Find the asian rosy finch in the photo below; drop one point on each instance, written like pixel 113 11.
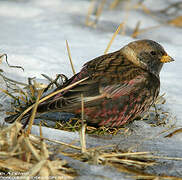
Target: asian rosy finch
pixel 120 85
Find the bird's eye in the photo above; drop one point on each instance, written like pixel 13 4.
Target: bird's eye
pixel 153 53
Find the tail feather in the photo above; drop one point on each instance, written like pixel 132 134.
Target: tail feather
pixel 13 118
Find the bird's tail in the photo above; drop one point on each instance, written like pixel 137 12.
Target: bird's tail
pixel 42 108
pixel 12 118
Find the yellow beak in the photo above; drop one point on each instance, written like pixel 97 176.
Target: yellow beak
pixel 166 58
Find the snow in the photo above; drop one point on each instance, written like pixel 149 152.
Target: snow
pixel 33 34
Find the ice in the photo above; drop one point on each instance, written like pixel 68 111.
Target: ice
pixel 33 34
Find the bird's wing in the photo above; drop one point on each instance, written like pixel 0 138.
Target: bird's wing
pixel 125 101
pixel 108 76
pixel 95 93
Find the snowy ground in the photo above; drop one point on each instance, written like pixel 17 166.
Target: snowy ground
pixel 33 34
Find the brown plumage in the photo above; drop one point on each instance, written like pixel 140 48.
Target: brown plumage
pixel 120 85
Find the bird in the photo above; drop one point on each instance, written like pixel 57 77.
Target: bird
pixel 117 87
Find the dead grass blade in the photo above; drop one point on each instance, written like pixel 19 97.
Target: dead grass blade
pixel 113 37
pixel 32 149
pixel 14 164
pixel 83 129
pixel 34 112
pixel 177 131
pixel 176 21
pixel 99 10
pixel 154 177
pixel 9 94
pixel 90 10
pixel 136 30
pixel 131 154
pixel 113 4
pixel 58 142
pixel 69 55
pixel 36 168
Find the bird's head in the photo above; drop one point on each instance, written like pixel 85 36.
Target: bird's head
pixel 147 54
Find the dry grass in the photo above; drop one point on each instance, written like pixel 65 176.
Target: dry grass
pixel 98 13
pixel 29 155
pixel 113 37
pixel 26 156
pixel 20 147
pixel 20 151
pixel 69 55
pixel 175 21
